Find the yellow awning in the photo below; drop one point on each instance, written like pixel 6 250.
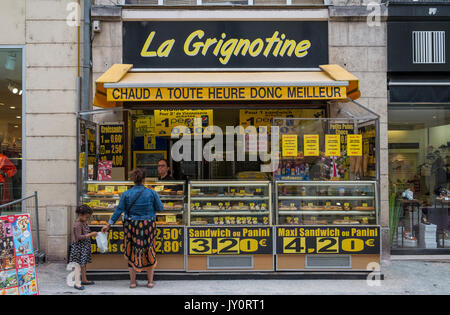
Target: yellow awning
pixel 119 84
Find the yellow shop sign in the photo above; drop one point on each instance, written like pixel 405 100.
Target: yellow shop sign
pixel 225 93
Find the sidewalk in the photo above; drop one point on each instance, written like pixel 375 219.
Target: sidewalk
pixel 401 277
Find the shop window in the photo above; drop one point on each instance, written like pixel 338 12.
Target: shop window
pixel 419 171
pixel 10 125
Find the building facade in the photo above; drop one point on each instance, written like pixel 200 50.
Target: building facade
pixel 52 46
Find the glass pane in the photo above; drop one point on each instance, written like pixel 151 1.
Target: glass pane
pixel 419 156
pixel 10 125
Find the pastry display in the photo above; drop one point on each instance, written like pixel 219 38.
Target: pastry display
pixel 315 222
pixel 361 208
pixel 103 198
pixel 345 222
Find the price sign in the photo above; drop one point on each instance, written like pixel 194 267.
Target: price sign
pixel 92 188
pixel 332 145
pixel 328 240
pixel 171 218
pixel 112 144
pixel 109 189
pixel 354 145
pixel 168 122
pixel 229 241
pixel 123 189
pixel 311 145
pixel 169 240
pixel 158 188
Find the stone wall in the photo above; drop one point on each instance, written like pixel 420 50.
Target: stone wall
pixel 50 104
pixel 361 48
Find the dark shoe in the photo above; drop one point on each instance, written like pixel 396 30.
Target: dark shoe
pixel 87 283
pixel 79 288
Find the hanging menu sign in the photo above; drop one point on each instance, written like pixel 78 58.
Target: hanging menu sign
pixel 289 145
pixel 311 145
pixel 17 261
pixel 354 145
pixel 342 129
pixel 332 145
pixel 112 144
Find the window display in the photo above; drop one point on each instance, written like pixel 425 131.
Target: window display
pixel 326 203
pixel 419 177
pixel 10 126
pixel 230 203
pixel 103 198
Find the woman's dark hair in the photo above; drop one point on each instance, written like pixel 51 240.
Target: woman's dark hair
pixel 137 175
pixel 83 209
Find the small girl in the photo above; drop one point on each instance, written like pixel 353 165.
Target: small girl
pixel 80 250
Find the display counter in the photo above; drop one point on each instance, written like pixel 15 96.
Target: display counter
pixel 104 197
pixel 227 226
pixel 327 225
pixel 230 226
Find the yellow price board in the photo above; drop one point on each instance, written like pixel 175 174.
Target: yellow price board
pixel 176 122
pixel 229 240
pixel 109 189
pixel 311 145
pixel 289 145
pixel 328 240
pixel 122 189
pixel 354 145
pixel 92 188
pixel 332 145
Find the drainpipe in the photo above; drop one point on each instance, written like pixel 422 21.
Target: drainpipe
pixel 86 84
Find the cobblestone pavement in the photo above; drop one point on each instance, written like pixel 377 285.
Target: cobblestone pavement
pixel 401 277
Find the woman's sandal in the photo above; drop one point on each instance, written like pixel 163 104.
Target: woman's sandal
pixel 87 283
pixel 133 285
pixel 79 288
pixel 150 285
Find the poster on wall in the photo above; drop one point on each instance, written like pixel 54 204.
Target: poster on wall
pixel 175 122
pixel 111 147
pixel 17 261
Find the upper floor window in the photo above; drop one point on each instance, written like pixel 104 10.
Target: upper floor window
pixel 428 47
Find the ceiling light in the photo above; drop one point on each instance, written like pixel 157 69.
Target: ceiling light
pixel 20 92
pixel 13 87
pixel 12 107
pixel 18 117
pixel 16 126
pixel 2 104
pixel 11 62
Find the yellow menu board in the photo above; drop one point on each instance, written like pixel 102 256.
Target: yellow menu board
pixel 332 145
pixel 289 145
pixel 354 145
pixel 175 121
pixel 311 145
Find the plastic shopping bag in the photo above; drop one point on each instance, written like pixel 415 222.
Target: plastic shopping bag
pixel 102 242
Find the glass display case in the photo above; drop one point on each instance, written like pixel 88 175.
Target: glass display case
pixel 326 202
pixel 230 203
pixel 103 198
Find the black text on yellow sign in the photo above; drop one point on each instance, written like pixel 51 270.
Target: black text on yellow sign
pixel 229 241
pixel 169 240
pixel 328 240
pixel 226 93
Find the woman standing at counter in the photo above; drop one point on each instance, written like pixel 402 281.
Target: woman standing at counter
pixel 139 205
